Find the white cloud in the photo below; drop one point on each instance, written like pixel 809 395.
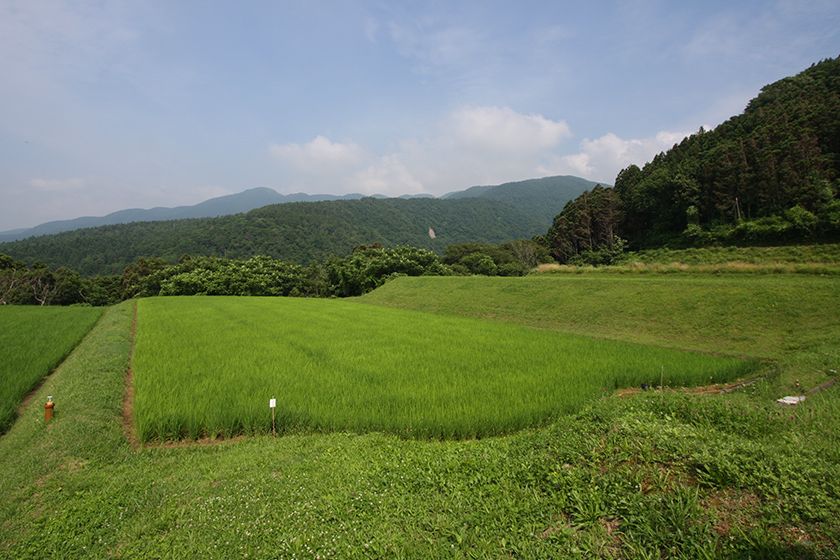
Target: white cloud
pixel 602 158
pixel 322 165
pixel 504 130
pixel 387 175
pixel 472 145
pixel 318 153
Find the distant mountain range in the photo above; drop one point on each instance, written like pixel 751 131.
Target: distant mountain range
pixel 306 231
pixel 220 206
pixel 537 195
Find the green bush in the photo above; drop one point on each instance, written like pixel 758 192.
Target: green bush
pixel 801 220
pixel 479 263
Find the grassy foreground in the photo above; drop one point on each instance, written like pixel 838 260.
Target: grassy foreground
pixel 663 474
pixel 206 367
pixel 33 340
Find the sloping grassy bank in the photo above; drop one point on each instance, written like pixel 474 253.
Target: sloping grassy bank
pixel 823 253
pixel 821 259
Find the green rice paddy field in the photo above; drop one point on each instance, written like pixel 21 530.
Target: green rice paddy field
pixel 33 340
pixel 207 367
pixel 655 474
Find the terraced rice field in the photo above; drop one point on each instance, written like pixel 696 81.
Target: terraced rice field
pixel 206 367
pixel 657 474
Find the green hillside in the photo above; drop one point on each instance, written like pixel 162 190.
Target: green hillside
pixel 771 174
pixel 300 232
pixel 782 152
pixel 540 198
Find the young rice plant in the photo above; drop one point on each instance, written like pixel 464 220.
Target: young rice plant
pixel 207 366
pixel 33 341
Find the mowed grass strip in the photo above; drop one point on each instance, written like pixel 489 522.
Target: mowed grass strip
pixel 206 367
pixel 33 341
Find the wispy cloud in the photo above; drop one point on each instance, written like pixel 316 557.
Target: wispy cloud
pixel 57 185
pixel 318 153
pixel 55 40
pixel 754 34
pixel 371 29
pixel 431 45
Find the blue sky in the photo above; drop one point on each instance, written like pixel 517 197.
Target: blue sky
pixel 107 105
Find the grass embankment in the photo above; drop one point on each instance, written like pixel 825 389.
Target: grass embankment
pixel 801 259
pixel 659 474
pixel 207 367
pixel 33 340
pixel 826 253
pixel 792 319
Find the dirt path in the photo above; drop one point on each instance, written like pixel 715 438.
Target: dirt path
pixel 714 389
pixel 128 399
pixel 24 404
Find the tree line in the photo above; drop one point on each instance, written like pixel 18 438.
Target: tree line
pixel 364 269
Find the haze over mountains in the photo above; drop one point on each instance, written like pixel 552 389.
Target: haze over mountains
pixel 544 197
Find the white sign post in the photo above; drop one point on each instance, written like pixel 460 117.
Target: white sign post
pixel 272 404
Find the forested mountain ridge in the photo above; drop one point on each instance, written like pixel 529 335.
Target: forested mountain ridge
pixel 544 197
pixel 244 201
pixel 770 174
pixel 310 231
pixel 300 232
pixel 538 197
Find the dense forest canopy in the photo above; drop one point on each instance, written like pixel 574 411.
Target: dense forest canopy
pixel 771 174
pixel 540 198
pixel 301 232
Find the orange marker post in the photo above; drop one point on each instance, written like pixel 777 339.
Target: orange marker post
pixel 48 410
